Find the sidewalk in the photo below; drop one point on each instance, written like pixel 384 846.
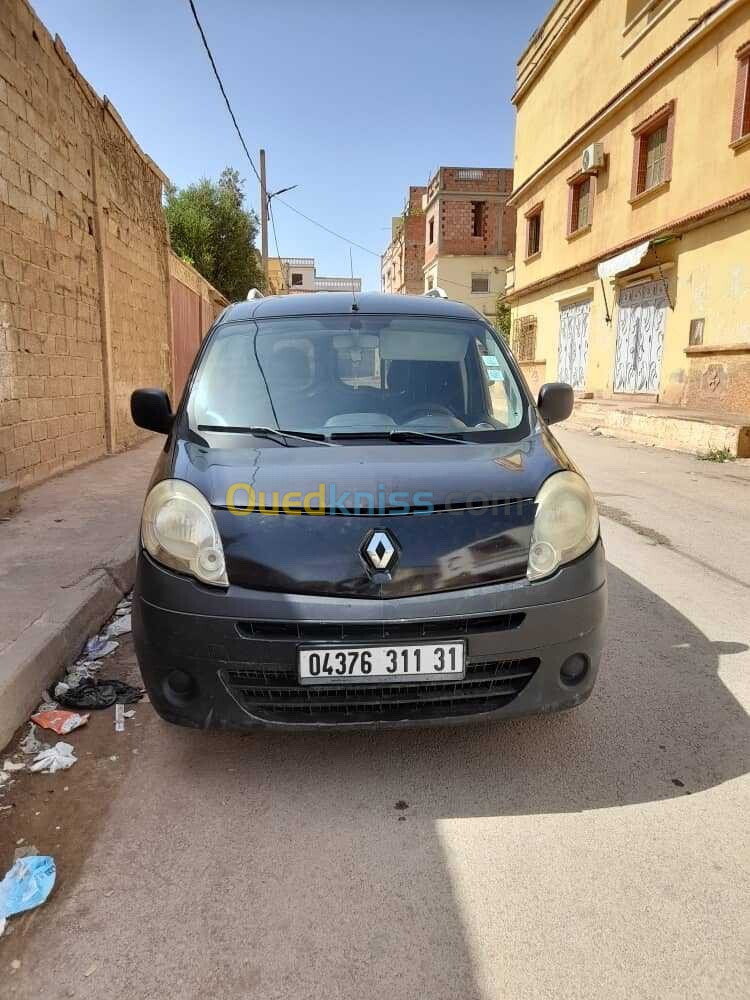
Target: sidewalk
pixel 694 431
pixel 66 559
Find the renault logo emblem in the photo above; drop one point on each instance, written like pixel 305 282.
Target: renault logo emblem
pixel 379 550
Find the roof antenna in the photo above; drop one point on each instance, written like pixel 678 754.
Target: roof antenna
pixel 355 307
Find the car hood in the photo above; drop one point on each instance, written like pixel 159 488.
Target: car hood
pixel 356 475
pixel 467 522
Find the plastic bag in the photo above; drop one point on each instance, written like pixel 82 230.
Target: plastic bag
pixel 99 646
pixel 60 721
pixel 120 626
pixel 100 694
pixel 56 758
pixel 26 884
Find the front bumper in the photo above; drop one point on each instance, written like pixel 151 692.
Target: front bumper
pixel 238 649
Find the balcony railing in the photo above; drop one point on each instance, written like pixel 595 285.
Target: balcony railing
pixel 338 284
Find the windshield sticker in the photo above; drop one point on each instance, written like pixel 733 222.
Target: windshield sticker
pixel 493 366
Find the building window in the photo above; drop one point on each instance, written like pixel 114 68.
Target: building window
pixel 580 205
pixel 523 338
pixel 296 278
pixel 477 218
pixel 431 230
pixel 696 332
pixel 652 152
pixel 430 283
pixel 480 283
pixel 741 111
pixel 534 231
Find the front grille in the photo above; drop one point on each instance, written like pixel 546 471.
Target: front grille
pixel 439 628
pixel 277 696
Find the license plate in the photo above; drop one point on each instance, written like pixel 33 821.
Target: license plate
pixel 379 664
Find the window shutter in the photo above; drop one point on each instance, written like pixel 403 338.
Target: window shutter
pixel 669 146
pixel 571 206
pixel 739 113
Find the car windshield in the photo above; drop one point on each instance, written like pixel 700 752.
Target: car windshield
pixel 368 375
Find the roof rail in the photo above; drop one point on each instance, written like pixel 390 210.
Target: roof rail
pixel 436 293
pixel 254 294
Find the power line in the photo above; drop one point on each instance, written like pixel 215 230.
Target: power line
pixel 221 87
pixel 331 231
pixel 247 151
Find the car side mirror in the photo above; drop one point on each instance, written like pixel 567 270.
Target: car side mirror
pixel 151 409
pixel 555 401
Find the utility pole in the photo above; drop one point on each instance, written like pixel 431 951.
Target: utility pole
pixel 263 216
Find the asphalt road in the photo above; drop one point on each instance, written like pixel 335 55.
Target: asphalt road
pixel 602 853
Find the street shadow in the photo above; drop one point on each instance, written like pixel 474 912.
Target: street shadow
pixel 340 850
pixel 278 865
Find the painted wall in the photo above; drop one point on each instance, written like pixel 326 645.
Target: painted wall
pixel 708 276
pixel 453 274
pixel 708 267
pixel 603 45
pixel 705 169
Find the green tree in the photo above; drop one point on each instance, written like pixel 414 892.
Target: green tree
pixel 210 228
pixel 502 318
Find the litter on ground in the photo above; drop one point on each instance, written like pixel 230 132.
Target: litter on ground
pixel 54 758
pixel 60 721
pixel 99 646
pixel 29 851
pixel 30 743
pixel 101 693
pixel 26 884
pixel 120 626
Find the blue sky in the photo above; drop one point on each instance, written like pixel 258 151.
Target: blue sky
pixel 353 101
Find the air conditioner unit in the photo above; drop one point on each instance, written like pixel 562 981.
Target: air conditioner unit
pixel 592 158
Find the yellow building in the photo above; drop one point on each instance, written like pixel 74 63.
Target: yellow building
pixel 632 193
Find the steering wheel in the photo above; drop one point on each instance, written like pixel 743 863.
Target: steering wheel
pixel 424 409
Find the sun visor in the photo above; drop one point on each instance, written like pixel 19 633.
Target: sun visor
pixel 418 345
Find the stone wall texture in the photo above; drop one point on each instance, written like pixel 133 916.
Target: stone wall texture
pixel 84 272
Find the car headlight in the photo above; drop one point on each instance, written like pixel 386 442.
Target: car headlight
pixel 565 526
pixel 178 530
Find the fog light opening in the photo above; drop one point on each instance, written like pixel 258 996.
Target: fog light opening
pixel 574 669
pixel 180 684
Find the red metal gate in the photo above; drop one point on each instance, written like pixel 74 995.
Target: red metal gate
pixel 187 330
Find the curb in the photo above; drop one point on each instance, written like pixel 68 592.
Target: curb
pixel 56 638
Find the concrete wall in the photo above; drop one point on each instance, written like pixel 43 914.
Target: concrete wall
pixel 84 314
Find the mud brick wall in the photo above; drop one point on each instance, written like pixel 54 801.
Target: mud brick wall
pixel 84 307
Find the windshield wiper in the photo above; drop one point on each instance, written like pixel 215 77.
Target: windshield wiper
pixel 273 433
pixel 401 435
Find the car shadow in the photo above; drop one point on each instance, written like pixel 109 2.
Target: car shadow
pixel 661 723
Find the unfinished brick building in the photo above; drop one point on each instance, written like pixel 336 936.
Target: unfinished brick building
pixel 469 233
pixel 403 262
pixel 457 234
